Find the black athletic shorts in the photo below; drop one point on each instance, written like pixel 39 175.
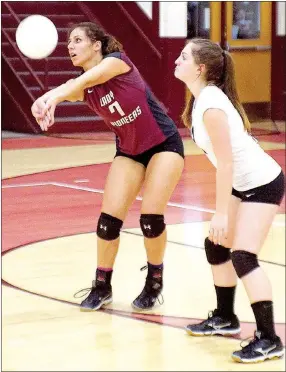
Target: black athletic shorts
pixel 172 144
pixel 271 193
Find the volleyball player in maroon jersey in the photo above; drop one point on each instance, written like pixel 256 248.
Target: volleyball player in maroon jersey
pixel 149 150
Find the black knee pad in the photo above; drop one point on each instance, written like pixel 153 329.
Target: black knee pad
pixel 216 253
pixel 244 262
pixel 108 227
pixel 152 225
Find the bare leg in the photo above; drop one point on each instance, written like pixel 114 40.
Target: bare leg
pixel 253 223
pixel 123 183
pixel 250 237
pixel 224 275
pixel 162 175
pixel 225 280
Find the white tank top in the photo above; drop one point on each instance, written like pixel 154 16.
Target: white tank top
pixel 252 167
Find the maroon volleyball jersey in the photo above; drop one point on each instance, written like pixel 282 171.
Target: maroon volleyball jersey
pixel 130 110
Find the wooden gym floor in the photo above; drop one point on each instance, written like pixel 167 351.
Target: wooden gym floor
pixel 51 196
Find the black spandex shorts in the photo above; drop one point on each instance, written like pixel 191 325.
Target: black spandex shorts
pixel 172 144
pixel 271 193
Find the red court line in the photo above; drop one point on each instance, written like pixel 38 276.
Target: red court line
pixel 247 328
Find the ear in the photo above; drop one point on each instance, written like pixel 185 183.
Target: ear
pixel 202 68
pixel 97 46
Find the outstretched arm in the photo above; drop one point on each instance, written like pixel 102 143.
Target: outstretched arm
pixel 106 70
pixel 216 124
pixel 73 90
pixel 43 116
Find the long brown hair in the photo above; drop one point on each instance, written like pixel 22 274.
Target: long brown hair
pixel 220 72
pixel 96 33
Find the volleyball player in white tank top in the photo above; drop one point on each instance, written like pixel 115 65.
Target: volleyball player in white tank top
pixel 249 190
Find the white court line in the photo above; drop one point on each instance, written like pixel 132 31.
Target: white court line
pixel 176 205
pixel 83 188
pixel 100 191
pixel 26 185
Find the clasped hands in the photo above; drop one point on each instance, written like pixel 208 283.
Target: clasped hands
pixel 43 110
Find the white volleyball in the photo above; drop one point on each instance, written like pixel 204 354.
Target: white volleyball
pixel 36 36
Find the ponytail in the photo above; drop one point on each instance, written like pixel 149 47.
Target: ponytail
pixel 220 72
pixel 110 45
pixel 230 89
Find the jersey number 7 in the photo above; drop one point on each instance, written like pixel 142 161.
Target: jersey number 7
pixel 116 106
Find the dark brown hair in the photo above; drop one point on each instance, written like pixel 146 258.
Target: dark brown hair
pixel 219 71
pixel 96 33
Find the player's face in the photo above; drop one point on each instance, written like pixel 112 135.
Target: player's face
pixel 80 48
pixel 186 68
